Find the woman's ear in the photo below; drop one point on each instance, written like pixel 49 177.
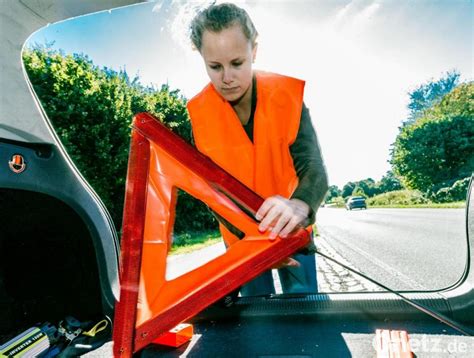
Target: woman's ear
pixel 254 52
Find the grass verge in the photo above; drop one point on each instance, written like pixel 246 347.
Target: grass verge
pixel 189 242
pixel 455 205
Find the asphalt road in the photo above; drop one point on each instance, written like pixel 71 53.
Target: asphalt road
pixel 405 249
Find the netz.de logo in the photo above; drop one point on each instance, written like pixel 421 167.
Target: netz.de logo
pixel 455 346
pixel 17 164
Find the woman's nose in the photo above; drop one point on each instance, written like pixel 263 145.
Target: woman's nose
pixel 227 76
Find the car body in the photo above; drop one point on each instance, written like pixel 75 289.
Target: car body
pixel 58 246
pixel 59 249
pixel 356 202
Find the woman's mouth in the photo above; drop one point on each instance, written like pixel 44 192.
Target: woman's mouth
pixel 231 89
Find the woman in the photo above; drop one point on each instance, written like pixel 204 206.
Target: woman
pixel 254 125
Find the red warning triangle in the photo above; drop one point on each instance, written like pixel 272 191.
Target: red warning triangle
pixel 149 305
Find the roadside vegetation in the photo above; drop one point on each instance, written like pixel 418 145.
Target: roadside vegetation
pixel 189 242
pixel 92 108
pixel 432 156
pixel 409 198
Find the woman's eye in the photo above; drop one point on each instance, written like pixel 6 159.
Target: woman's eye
pixel 214 67
pixel 237 64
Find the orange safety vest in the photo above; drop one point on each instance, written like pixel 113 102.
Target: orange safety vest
pixel 266 165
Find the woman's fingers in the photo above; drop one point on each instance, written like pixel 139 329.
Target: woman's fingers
pixel 266 206
pixel 285 217
pixel 281 215
pixel 270 219
pixel 288 262
pixel 268 212
pixel 291 225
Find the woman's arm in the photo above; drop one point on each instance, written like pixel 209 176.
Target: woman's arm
pixel 309 166
pixel 281 215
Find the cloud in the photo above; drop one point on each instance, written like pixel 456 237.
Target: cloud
pixel 157 7
pixel 356 15
pixel 181 21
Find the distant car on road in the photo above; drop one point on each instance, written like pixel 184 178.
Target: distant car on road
pixel 356 202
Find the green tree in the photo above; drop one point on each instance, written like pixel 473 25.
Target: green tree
pixel 428 94
pixel 91 110
pixel 389 182
pixel 368 187
pixel 333 192
pixel 438 148
pixel 359 191
pixel 348 189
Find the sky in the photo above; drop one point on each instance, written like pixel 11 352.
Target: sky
pixel 359 58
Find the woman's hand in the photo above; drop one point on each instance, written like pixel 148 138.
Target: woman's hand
pixel 281 215
pixel 288 262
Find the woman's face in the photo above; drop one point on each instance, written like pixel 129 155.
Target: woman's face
pixel 228 57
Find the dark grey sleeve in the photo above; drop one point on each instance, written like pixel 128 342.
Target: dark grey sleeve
pixel 309 165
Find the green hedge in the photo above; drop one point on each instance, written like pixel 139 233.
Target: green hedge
pixel 455 192
pixel 398 197
pixel 91 109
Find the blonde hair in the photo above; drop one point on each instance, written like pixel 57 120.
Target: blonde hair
pixel 216 18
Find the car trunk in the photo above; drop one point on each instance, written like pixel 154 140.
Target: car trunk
pixel 48 267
